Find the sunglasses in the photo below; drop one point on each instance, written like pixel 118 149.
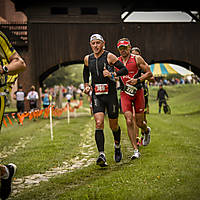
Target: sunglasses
pixel 123 48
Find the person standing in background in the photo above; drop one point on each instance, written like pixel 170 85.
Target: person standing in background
pixel 161 97
pixel 32 97
pixel 19 96
pixel 45 99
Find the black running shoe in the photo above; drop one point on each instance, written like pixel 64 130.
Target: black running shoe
pixel 6 183
pixel 118 154
pixel 101 161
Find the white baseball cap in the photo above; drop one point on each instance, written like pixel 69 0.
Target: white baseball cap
pixel 96 37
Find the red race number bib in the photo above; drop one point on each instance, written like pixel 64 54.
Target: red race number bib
pixel 101 89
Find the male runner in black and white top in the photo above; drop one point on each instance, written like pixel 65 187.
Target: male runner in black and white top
pixel 100 64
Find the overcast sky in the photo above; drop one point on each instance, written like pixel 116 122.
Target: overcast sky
pixel 158 17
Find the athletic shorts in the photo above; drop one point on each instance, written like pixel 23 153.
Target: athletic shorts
pixel 127 102
pixel 108 102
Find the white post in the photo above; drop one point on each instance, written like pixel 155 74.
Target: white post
pixel 68 113
pixel 51 124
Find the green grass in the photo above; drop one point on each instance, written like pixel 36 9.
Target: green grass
pixel 169 168
pixel 40 153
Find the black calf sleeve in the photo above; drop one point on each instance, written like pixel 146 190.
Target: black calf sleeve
pixel 117 135
pixel 99 137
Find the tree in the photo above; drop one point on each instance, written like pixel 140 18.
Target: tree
pixel 67 75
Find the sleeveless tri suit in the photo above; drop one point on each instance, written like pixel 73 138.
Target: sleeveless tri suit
pixel 104 94
pixel 131 95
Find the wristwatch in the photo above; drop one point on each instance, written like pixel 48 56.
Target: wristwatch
pixel 113 75
pixel 5 69
pixel 138 80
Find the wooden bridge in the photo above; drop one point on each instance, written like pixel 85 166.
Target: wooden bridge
pixel 59 31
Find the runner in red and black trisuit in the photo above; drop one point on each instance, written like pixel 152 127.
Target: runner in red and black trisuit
pixel 132 92
pixel 100 64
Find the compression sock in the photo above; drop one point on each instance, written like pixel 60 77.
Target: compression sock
pixel 99 137
pixel 117 135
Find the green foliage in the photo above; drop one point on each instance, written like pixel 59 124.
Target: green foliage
pixel 67 75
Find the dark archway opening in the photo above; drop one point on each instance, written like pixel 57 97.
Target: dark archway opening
pixel 55 68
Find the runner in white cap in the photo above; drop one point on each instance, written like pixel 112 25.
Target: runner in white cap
pixel 100 64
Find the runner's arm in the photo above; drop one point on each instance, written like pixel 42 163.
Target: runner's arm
pixel 145 68
pixel 16 64
pixel 86 75
pixel 151 79
pixel 113 60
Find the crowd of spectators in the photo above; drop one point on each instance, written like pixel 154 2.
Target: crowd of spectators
pixel 174 81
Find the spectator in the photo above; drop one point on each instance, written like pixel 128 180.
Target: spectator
pixel 161 97
pixel 45 99
pixel 32 98
pixel 68 96
pixel 19 96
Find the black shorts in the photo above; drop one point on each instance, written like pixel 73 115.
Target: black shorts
pixel 106 101
pixel 20 106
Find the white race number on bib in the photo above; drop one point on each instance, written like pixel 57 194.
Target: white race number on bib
pixel 101 89
pixel 130 89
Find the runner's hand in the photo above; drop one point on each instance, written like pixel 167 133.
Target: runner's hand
pixel 132 81
pixel 106 73
pixel 117 78
pixel 86 90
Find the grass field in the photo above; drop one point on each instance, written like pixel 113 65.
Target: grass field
pixel 169 168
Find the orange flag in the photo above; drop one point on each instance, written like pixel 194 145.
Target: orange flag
pixel 40 112
pixel 4 121
pixel 13 116
pixel 31 116
pixel 9 120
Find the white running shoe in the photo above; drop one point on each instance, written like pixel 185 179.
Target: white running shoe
pixel 147 137
pixel 136 154
pixel 101 161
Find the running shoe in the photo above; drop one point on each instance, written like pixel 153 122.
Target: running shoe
pixel 101 161
pixel 136 154
pixel 118 154
pixel 6 184
pixel 147 137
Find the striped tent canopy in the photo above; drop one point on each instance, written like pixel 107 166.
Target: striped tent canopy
pixel 164 69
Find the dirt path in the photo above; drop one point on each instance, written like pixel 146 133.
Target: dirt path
pixel 7 151
pixel 87 149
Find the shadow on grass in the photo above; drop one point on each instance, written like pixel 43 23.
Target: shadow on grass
pixel 176 114
pixel 190 114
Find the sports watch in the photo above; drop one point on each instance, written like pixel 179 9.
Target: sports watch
pixel 138 80
pixel 5 70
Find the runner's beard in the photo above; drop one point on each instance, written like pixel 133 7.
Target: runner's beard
pixel 125 54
